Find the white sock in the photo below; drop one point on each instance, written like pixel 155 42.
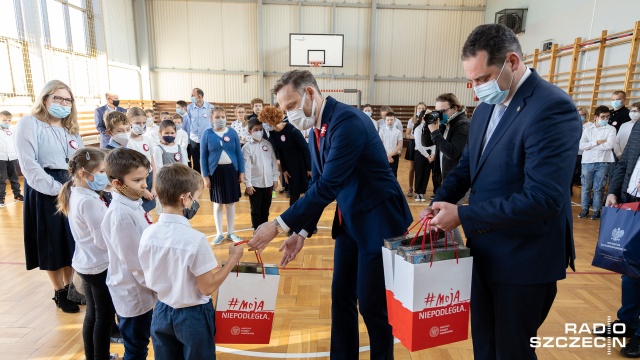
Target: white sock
pixel 231 215
pixel 217 217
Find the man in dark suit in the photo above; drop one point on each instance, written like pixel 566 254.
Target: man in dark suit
pixel 518 221
pixel 112 105
pixel 349 165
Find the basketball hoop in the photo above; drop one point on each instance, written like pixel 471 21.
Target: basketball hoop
pixel 316 64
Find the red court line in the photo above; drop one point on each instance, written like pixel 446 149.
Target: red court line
pixel 331 269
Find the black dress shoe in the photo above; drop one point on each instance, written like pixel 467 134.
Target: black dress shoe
pixel 632 350
pixel 607 331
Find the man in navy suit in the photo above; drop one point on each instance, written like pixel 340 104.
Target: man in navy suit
pixel 349 165
pixel 112 105
pixel 518 221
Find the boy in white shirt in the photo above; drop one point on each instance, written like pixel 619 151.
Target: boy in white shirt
pixel 261 173
pixel 178 264
pixel 122 229
pixel 392 140
pixel 182 138
pixel 596 143
pixel 8 159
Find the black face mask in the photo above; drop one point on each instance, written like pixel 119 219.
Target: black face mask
pixel 189 213
pixel 116 103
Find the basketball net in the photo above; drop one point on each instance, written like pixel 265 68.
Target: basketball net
pixel 315 66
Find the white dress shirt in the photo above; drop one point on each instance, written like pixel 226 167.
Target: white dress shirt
pixel 7 144
pixel 586 125
pixel 173 149
pixel 153 133
pixel 44 146
pixel 172 255
pixel 594 153
pixel 623 135
pixel 261 167
pixel 143 146
pixel 182 138
pixel 419 147
pixel 390 138
pixel 122 229
pixel 86 213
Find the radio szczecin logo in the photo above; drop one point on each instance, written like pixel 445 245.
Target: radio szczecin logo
pixel 596 335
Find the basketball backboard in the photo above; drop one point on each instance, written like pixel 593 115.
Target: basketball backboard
pixel 325 49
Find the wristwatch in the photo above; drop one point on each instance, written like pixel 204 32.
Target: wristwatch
pixel 279 228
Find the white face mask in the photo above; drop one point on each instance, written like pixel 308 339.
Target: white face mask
pixel 298 118
pixel 149 121
pixel 122 138
pixel 219 123
pixel 257 135
pixel 139 129
pixel 634 115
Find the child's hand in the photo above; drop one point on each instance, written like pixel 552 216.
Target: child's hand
pixel 147 195
pixel 235 253
pixel 241 178
pixel 275 185
pixel 153 191
pixel 207 182
pixel 251 190
pixel 390 160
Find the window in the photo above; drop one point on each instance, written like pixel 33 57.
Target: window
pixel 57 32
pixel 66 26
pixel 8 26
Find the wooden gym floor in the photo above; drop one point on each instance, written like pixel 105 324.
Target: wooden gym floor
pixel 31 327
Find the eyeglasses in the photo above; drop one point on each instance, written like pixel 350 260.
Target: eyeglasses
pixel 60 100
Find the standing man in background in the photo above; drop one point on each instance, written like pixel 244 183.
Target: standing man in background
pixel 197 120
pixel 112 105
pixel 619 112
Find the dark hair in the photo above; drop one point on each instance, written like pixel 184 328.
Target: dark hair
pixel 256 101
pixel 86 158
pixel 122 161
pixel 253 122
pixel 174 180
pixel 386 108
pixel 298 79
pixel 495 39
pixel 146 111
pixel 167 123
pixel 114 118
pixel 164 113
pixel 367 105
pixel 181 103
pixel 602 110
pixel 451 99
pixel 390 113
pixel 199 91
pixel 5 113
pixel 635 105
pixel 618 92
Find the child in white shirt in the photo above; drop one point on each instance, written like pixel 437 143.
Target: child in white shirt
pixel 143 145
pixel 261 173
pixel 178 264
pixel 392 140
pixel 182 138
pixel 167 152
pixel 122 229
pixel 8 159
pixel 80 201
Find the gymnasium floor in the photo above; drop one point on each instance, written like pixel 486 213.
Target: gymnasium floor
pixel 31 327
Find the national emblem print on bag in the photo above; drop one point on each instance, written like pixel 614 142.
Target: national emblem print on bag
pixel 617 234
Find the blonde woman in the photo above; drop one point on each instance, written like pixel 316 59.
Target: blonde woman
pixel 45 141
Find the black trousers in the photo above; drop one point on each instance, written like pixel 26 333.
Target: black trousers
pixel 194 148
pixel 422 168
pixel 394 165
pixel 504 317
pixel 98 317
pixel 260 203
pixel 9 170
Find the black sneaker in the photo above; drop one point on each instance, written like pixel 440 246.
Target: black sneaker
pixel 584 213
pixel 1 203
pixel 632 350
pixel 607 331
pixel 596 215
pixel 18 198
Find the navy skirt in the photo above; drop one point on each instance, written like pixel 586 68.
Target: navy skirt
pixel 225 188
pixel 411 150
pixel 48 243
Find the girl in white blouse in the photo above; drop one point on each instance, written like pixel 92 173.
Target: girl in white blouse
pixel 80 200
pixel 45 141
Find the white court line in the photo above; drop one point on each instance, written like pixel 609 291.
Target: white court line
pixel 285 355
pixel 251 229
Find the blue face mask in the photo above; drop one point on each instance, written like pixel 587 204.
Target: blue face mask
pixel 444 120
pixel 603 122
pixel 368 113
pixel 582 118
pixel 59 111
pixel 179 111
pixel 490 92
pixel 616 104
pixel 193 99
pixel 4 126
pixel 99 182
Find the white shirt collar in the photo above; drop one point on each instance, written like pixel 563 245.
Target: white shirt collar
pixel 319 121
pixel 85 191
pixel 172 218
pixel 524 77
pixel 126 201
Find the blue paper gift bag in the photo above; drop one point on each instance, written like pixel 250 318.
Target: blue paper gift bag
pixel 618 247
